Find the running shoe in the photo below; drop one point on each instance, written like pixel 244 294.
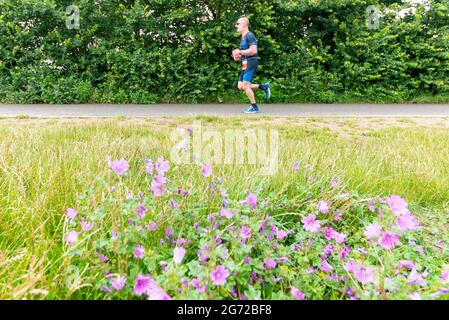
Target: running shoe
pixel 251 109
pixel 267 91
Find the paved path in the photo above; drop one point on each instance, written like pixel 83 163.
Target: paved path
pixel 175 110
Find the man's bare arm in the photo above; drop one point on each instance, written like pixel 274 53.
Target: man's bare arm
pixel 251 51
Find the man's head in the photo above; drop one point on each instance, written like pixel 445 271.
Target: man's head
pixel 242 25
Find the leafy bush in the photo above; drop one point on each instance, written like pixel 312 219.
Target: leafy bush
pixel 179 51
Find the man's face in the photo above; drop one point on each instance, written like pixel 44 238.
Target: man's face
pixel 240 25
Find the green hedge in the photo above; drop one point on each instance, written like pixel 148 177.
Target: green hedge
pixel 179 51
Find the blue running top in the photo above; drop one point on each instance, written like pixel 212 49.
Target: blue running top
pixel 248 40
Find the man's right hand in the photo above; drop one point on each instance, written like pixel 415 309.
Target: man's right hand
pixel 236 55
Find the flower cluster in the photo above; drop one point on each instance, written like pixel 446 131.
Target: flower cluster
pixel 166 246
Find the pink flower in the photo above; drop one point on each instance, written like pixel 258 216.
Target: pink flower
pixel 415 277
pixel 251 200
pixel 178 255
pixel 406 264
pixel 283 259
pixel 219 275
pixel 310 224
pixel 338 216
pixel 295 165
pixel 323 206
pixel 363 274
pixel 334 182
pixel 139 252
pixel 71 213
pixel 388 240
pixel 407 222
pixel 206 170
pixel 328 233
pixel 223 193
pixel 168 232
pixel 373 230
pixel 197 285
pixel 325 266
pixel 160 178
pixel 142 284
pixel 152 226
pixel 203 254
pixel 173 204
pixel 397 205
pixel 328 249
pixel 280 234
pixel 105 289
pixel 371 206
pixel 150 166
pixel 141 210
pixel 155 292
pixel 226 213
pixel 445 275
pixel 162 166
pixel 344 252
pixel 71 237
pixel 85 226
pixel 233 293
pixel 311 270
pixel 362 250
pixel 333 277
pixel 297 293
pixel 339 237
pixel 119 166
pixel 245 233
pixel 269 263
pixel 118 283
pixel 350 266
pixel 103 258
pixel 415 296
pixel 158 188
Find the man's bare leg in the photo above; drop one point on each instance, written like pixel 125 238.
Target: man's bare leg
pixel 254 86
pixel 249 92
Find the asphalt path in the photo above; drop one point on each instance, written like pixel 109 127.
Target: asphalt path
pixel 223 110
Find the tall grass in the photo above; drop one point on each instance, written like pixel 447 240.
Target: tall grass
pixel 44 167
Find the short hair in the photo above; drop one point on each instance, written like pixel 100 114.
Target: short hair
pixel 245 19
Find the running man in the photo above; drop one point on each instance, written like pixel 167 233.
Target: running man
pixel 247 54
